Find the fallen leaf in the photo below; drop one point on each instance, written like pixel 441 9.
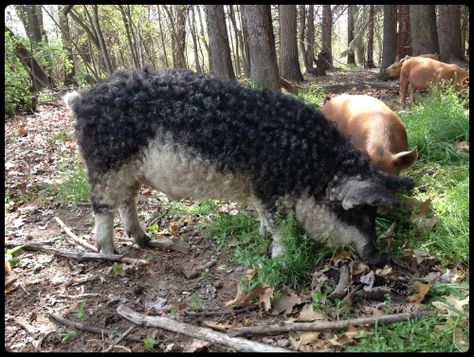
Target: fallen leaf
pixel 422 222
pixel 358 268
pixel 308 314
pixel 421 290
pixel 286 302
pixel 383 272
pixel 301 341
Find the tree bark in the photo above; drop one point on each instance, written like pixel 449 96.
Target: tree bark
pixel 326 51
pixel 370 38
pixel 350 34
pixel 389 36
pixel 128 32
pixel 32 18
pixel 103 47
pixel 219 42
pixel 39 76
pixel 309 53
pixel 192 21
pixel 245 43
pixel 263 61
pixel 404 46
pixel 163 46
pixel 238 39
pixel 289 63
pixel 424 34
pixel 69 70
pixel 203 37
pixel 449 33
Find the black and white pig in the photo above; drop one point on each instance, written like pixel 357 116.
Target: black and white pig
pixel 193 136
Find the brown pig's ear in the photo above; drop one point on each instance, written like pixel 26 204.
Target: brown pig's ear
pixel 465 81
pixel 354 193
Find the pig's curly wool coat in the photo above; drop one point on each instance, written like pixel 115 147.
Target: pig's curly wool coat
pixel 284 145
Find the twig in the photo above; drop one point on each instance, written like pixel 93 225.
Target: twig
pixel 169 244
pixel 98 330
pixel 322 326
pixel 340 290
pixel 79 255
pixel 79 296
pixel 195 272
pixel 75 238
pixel 201 333
pixel 119 339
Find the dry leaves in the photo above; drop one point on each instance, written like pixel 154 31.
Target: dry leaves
pixel 219 326
pixel 308 314
pixel 421 290
pixel 422 222
pixel 286 302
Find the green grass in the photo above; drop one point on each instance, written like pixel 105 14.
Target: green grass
pixel 74 186
pixel 197 208
pixel 312 94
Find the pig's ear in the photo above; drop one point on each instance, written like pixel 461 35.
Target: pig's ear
pixel 354 193
pixel 465 81
pixel 397 58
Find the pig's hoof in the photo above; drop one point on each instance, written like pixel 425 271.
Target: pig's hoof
pixel 377 261
pixel 143 240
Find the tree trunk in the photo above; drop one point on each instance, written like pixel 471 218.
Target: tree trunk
pixel 100 38
pixel 404 46
pixel 326 51
pixel 206 44
pixel 163 46
pixel 350 34
pixel 289 63
pixel 219 42
pixel 192 22
pixel 40 78
pixel 370 39
pixel 245 43
pixel 238 39
pixel 263 61
pixel 70 69
pixel 181 12
pixel 389 36
pixel 424 34
pixel 464 29
pixel 127 26
pixel 32 18
pixel 449 33
pixel 309 53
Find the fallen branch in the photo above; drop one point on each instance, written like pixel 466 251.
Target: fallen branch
pixel 201 333
pixel 195 272
pixel 98 330
pixel 322 326
pixel 78 255
pixel 169 244
pixel 343 284
pixel 75 238
pixel 290 87
pixel 359 85
pixel 119 339
pixel 220 312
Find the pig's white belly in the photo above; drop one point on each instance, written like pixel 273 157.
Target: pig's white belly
pixel 173 170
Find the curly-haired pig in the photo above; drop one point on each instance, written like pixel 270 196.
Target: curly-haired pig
pixel 193 136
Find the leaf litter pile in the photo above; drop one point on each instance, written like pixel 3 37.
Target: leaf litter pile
pixel 183 294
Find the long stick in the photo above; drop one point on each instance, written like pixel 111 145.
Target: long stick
pixel 201 333
pixel 75 238
pixel 322 326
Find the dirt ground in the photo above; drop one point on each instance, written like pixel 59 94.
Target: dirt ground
pixel 45 283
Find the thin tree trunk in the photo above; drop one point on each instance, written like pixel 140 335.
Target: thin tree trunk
pixel 103 47
pixel 326 50
pixel 245 43
pixel 370 39
pixel 192 21
pixel 289 64
pixel 219 42
pixel 263 61
pixel 203 37
pixel 310 37
pixel 350 34
pixel 163 47
pixel 32 19
pixel 236 37
pixel 389 36
pixel 127 26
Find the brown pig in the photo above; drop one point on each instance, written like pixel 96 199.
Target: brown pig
pixel 393 71
pixel 372 127
pixel 418 73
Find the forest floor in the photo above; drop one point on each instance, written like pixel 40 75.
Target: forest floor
pixel 38 147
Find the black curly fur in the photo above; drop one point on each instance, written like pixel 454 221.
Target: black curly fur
pixel 283 144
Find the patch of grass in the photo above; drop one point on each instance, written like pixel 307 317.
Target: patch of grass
pixel 293 268
pixel 60 137
pixel 75 187
pixel 148 343
pixel 68 336
pixel 436 123
pixel 81 313
pixel 312 94
pixel 428 334
pixel 198 208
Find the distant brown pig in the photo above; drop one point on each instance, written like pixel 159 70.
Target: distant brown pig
pixel 393 71
pixel 418 73
pixel 372 127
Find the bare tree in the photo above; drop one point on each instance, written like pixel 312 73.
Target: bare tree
pixel 70 69
pixel 245 43
pixel 370 38
pixel 389 36
pixel 32 18
pixel 449 33
pixel 162 37
pixel 263 61
pixel 192 26
pixel 219 42
pixel 326 40
pixel 177 17
pixel 127 21
pixel 424 34
pixel 289 63
pixel 100 37
pixel 306 40
pixel 238 38
pixel 350 34
pixel 404 34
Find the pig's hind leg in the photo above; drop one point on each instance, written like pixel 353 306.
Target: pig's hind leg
pixel 268 224
pixel 128 214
